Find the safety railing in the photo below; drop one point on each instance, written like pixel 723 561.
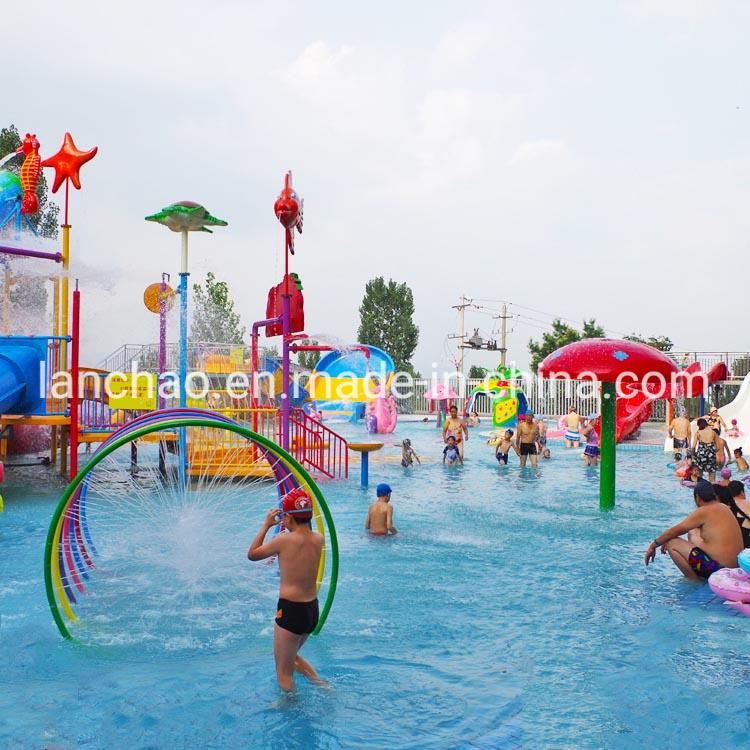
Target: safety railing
pixel 318 447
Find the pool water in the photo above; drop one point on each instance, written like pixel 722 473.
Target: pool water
pixel 508 612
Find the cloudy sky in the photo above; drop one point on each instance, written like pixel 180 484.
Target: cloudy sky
pixel 576 159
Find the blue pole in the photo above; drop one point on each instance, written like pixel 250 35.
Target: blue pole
pixel 364 473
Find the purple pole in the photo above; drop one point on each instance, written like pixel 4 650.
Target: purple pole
pixel 286 313
pixel 57 257
pixel 162 337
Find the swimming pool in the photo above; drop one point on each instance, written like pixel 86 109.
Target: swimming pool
pixel 508 612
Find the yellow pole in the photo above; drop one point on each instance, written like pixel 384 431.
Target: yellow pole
pixel 64 295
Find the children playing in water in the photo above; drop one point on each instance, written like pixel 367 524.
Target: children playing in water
pixel 408 456
pixel 504 447
pixel 572 427
pixel 713 539
pixel 379 521
pixel 591 451
pixel 740 461
pixel 541 441
pixel 451 452
pixel 455 427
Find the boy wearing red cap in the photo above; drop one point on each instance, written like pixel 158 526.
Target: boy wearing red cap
pixel 298 554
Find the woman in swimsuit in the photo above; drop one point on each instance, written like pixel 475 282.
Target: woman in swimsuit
pixel 714 421
pixel 740 506
pixel 704 449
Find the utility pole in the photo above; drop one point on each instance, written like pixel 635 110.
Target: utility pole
pixel 463 303
pixel 503 333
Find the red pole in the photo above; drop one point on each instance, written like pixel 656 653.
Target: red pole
pixel 74 369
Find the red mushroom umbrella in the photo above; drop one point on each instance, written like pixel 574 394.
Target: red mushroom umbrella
pixel 641 373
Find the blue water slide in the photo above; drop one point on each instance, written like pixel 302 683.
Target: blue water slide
pixel 356 364
pixel 20 375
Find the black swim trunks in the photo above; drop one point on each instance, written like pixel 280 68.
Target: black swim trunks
pixel 502 458
pixel 297 617
pixel 527 449
pixel 678 443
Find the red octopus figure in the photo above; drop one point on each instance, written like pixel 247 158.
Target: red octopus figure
pixel 30 171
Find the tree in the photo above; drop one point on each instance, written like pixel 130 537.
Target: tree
pixel 46 220
pixel 386 320
pixel 662 343
pixel 28 295
pixel 560 335
pixel 477 373
pixel 214 318
pixel 308 360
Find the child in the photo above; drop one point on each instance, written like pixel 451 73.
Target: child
pixel 451 454
pixel 407 454
pixel 694 477
pixel 740 460
pixel 546 453
pixel 379 521
pixel 591 452
pixel 541 441
pixel 734 430
pixel 502 449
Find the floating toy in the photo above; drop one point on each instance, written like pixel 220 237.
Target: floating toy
pixel 731 583
pixel 743 560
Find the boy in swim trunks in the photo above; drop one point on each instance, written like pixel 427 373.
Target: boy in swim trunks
pixel 504 446
pixel 526 439
pixel 541 441
pixel 572 423
pixel 451 453
pixel 379 521
pixel 298 554
pixel 713 538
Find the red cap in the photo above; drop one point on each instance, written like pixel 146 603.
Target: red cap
pixel 298 503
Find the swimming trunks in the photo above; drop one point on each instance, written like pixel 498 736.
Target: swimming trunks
pixel 406 464
pixel 297 617
pixel 527 449
pixel 502 458
pixel 591 451
pixel 702 564
pixel 572 436
pixel 705 457
pixel 678 443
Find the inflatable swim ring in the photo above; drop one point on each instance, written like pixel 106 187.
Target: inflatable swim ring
pixel 743 560
pixel 731 583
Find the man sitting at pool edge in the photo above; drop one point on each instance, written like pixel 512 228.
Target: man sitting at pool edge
pixel 298 554
pixel 713 537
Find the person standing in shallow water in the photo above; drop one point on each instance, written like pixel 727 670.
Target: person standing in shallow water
pixel 455 426
pixel 526 439
pixel 298 554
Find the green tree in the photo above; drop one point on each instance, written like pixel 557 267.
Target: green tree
pixel 662 343
pixel 28 295
pixel 560 335
pixel 308 360
pixel 477 372
pixel 214 319
pixel 45 221
pixel 386 320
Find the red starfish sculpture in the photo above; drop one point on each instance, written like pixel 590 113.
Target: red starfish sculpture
pixel 67 163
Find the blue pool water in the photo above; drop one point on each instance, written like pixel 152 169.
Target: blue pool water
pixel 508 612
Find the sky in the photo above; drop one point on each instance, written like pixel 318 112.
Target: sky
pixel 579 159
